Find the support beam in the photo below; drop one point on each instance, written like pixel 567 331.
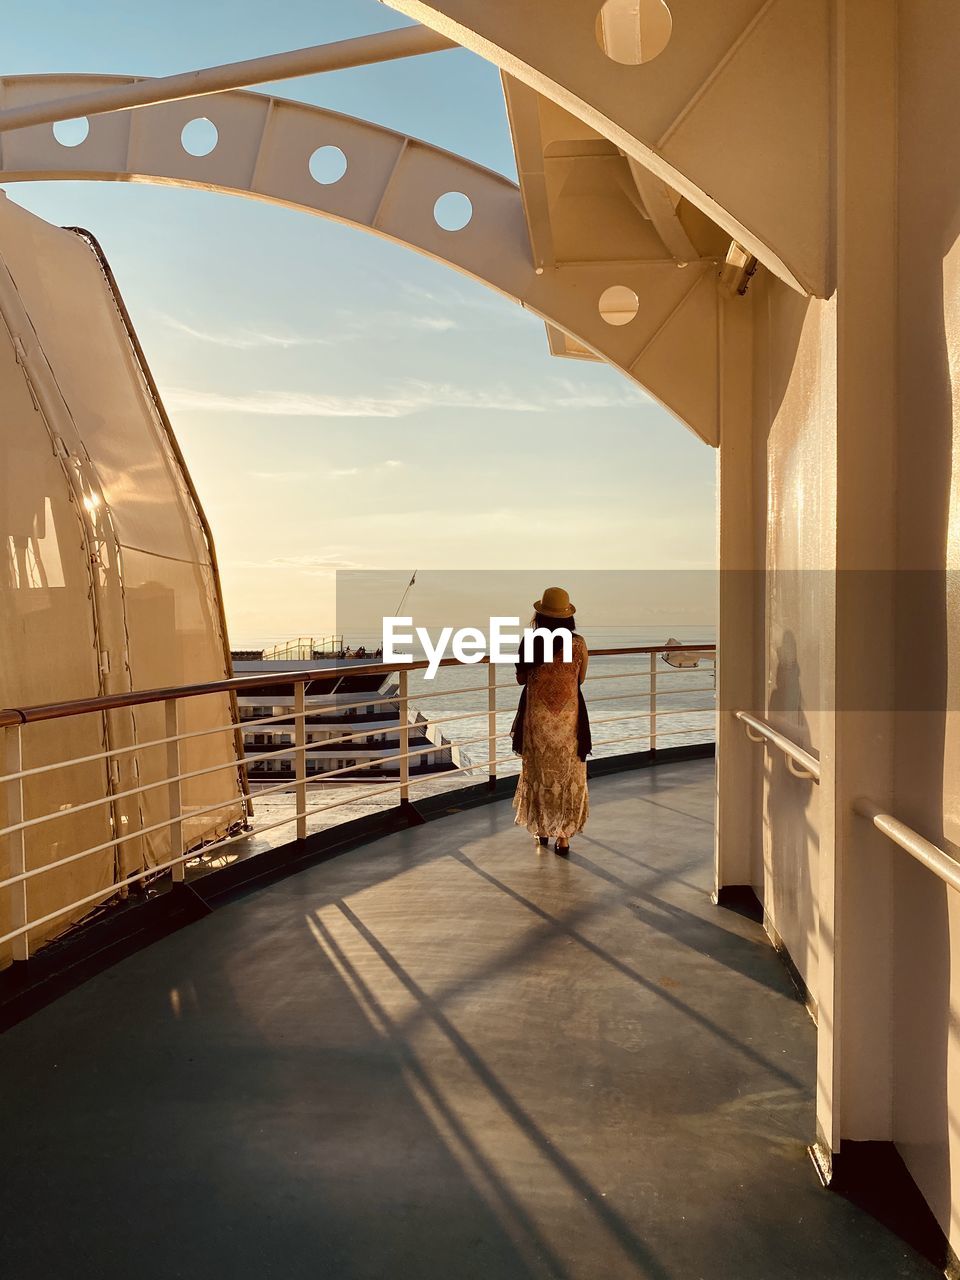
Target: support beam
pixel 854 1062
pixel 733 113
pixel 383 46
pixel 662 211
pixel 740 553
pixel 390 186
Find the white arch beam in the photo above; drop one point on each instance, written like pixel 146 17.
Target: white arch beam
pixel 390 186
pixel 362 51
pixel 733 113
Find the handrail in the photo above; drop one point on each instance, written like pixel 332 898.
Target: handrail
pixel 800 763
pixel 21 819
pixel 925 851
pixel 262 679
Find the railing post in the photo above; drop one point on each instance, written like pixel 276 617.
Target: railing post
pixel 653 701
pixel 16 841
pixel 491 722
pixel 171 722
pixel 300 756
pixel 404 740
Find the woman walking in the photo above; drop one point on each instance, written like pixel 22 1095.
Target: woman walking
pixel 551 730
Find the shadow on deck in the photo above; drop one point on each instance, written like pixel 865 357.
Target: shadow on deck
pixel 445 1054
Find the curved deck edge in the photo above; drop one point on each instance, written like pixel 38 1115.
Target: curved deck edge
pixel 166 907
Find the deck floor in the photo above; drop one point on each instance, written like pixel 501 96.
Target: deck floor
pixel 445 1054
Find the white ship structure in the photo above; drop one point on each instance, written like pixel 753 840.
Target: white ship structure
pixel 352 723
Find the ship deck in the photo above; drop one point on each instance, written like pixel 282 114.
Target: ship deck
pixel 446 1053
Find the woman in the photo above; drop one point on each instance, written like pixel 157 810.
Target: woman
pixel 551 731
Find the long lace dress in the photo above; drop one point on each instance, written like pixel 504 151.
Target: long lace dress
pixel 551 798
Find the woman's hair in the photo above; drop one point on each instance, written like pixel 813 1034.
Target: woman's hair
pixel 552 624
pixel 540 620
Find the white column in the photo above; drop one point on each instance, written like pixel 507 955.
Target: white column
pixel 739 617
pixel 854 1092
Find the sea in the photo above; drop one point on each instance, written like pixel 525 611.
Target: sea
pixel 616 693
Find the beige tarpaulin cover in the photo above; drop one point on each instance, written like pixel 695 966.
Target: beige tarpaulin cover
pixel 107 577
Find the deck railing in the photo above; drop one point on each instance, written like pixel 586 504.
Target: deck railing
pixel 802 764
pixel 929 855
pixel 23 863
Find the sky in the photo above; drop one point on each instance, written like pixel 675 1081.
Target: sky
pixel 343 402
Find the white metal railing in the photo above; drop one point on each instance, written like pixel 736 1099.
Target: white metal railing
pixel 804 765
pixel 306 649
pixel 919 847
pixel 800 762
pixel 659 718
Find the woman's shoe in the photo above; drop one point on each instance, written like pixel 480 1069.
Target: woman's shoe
pixel 562 849
pixel 543 840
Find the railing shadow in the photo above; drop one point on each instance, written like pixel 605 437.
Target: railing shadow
pixel 622 1232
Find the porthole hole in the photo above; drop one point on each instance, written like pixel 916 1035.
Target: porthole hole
pixel 618 304
pixel 70 133
pixel 452 211
pixel 199 137
pixel 327 165
pixel 634 31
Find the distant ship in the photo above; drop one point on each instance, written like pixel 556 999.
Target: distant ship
pixel 336 708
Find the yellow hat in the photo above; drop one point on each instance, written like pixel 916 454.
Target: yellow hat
pixel 555 604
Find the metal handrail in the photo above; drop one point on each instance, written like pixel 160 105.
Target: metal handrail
pixel 919 847
pixel 12 728
pixel 800 763
pixel 118 701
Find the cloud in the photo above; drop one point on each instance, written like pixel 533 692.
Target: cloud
pixel 245 339
pixel 574 395
pixel 352 327
pixel 403 399
pixel 288 477
pixel 478 299
pixel 392 322
pixel 314 564
pixel 289 404
pixel 438 324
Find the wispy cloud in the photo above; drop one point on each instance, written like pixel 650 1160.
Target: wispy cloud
pixel 410 320
pixel 403 399
pixel 576 395
pixel 336 473
pixel 474 300
pixel 430 311
pixel 245 339
pixel 313 564
pixel 360 324
pixel 288 404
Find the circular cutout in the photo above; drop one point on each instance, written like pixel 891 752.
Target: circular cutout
pixel 618 304
pixel 634 31
pixel 70 133
pixel 327 165
pixel 199 137
pixel 452 211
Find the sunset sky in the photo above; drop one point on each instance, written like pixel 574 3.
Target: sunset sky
pixel 342 401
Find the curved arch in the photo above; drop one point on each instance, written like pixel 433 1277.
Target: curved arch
pixel 733 113
pixel 390 186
